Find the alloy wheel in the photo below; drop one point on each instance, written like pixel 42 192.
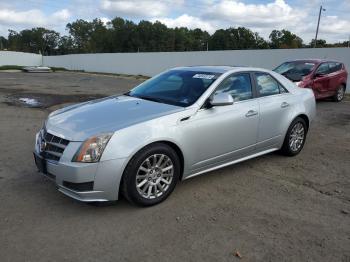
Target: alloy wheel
pixel 154 176
pixel 296 137
pixel 340 94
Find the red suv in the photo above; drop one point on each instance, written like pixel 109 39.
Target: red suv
pixel 325 78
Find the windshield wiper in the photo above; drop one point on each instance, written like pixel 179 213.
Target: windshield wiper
pixel 156 99
pixel 149 98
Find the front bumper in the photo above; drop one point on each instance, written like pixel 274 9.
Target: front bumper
pixel 102 178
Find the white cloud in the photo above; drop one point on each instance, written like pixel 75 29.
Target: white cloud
pixel 32 17
pixel 61 16
pixel 135 9
pixel 105 20
pixel 298 16
pixel 187 21
pixel 277 13
pixel 10 17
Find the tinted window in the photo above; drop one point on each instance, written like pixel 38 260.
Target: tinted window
pixel 177 87
pixel 238 86
pixel 334 67
pixel 267 85
pixel 323 69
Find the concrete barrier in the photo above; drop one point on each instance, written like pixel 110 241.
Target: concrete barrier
pixel 19 59
pixel 152 63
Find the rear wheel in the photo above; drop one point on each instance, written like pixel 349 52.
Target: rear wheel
pixel 151 175
pixel 295 137
pixel 339 94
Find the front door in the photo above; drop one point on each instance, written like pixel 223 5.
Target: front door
pixel 322 81
pixel 223 133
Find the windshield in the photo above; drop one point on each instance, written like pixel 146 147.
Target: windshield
pixel 175 87
pixel 301 68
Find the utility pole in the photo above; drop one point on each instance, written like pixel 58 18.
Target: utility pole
pixel 318 24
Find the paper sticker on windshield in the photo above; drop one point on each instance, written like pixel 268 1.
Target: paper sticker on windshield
pixel 203 76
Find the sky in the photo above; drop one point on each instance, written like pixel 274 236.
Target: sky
pixel 262 16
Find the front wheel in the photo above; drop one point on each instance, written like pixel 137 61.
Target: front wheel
pixel 295 137
pixel 151 175
pixel 339 94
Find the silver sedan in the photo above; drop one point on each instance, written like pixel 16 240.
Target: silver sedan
pixel 179 124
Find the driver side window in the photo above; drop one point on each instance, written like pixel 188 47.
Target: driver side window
pixel 323 69
pixel 238 86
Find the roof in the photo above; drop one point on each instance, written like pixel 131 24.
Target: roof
pixel 312 60
pixel 213 69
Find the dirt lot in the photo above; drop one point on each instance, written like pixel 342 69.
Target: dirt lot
pixel 271 208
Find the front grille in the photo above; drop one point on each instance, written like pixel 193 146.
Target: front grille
pixel 54 146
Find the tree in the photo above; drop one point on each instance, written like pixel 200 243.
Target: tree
pixel 121 35
pixel 285 39
pixel 3 43
pixel 35 40
pixel 236 38
pixel 319 43
pixel 80 31
pixel 65 45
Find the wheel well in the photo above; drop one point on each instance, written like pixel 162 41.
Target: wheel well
pixel 175 148
pixel 344 84
pixel 306 119
pixel 178 152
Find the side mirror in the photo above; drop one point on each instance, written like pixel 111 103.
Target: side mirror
pixel 221 99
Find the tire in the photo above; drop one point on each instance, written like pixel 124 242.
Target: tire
pixel 339 95
pixel 156 166
pixel 296 131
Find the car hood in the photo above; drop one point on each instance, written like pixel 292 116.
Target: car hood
pixel 81 121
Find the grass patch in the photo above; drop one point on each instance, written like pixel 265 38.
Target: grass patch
pixel 54 69
pixel 11 67
pixel 57 69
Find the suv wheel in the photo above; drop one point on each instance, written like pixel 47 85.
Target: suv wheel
pixel 151 175
pixel 339 94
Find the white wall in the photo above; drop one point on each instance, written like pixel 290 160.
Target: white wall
pixel 19 58
pixel 152 63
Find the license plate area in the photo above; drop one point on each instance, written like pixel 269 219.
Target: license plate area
pixel 40 163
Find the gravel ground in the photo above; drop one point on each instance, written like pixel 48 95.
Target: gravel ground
pixel 271 208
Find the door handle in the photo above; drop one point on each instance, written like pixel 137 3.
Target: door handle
pixel 284 105
pixel 251 113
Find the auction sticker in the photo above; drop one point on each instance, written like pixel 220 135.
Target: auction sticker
pixel 203 76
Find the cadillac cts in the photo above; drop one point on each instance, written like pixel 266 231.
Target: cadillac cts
pixel 178 124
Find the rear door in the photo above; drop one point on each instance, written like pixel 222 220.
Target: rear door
pixel 334 77
pixel 275 105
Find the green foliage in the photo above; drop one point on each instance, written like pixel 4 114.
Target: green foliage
pixel 11 67
pixel 319 43
pixel 36 40
pixel 120 35
pixel 285 39
pixel 3 43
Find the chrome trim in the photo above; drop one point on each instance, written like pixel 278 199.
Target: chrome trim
pixel 232 162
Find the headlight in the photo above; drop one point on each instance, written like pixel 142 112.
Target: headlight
pixel 91 150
